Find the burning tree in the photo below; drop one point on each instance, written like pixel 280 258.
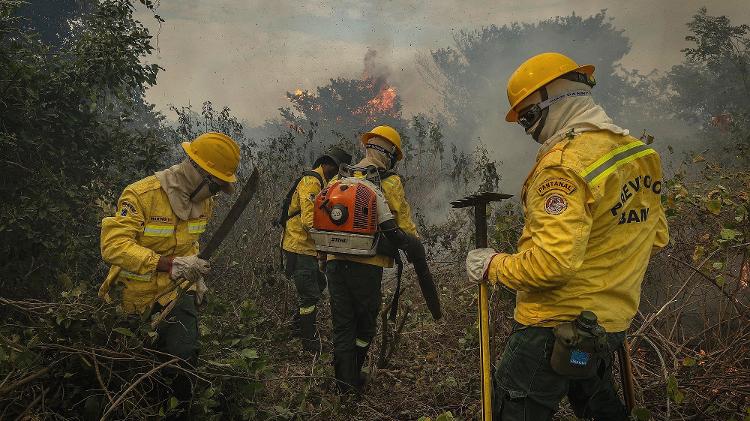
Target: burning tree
pixel 346 107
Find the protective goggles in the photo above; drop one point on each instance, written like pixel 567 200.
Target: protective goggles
pixel 386 152
pixel 531 114
pixel 214 186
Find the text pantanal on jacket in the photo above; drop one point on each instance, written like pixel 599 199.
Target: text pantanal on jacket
pixel 592 202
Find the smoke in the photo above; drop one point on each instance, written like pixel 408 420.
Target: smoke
pixel 374 68
pixel 471 78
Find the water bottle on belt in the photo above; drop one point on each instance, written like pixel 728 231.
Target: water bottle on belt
pixel 579 345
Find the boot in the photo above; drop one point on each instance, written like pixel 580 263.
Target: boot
pixel 347 374
pixel 361 357
pixel 309 332
pixel 296 329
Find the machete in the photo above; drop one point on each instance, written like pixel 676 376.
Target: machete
pixel 218 237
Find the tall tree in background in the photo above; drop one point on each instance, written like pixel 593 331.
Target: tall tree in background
pixel 74 129
pixel 471 75
pixel 344 108
pixel 711 88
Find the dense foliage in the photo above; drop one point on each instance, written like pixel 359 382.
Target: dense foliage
pixel 75 129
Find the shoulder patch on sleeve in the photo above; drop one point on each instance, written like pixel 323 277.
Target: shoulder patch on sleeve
pixel 563 185
pixel 127 207
pixel 555 204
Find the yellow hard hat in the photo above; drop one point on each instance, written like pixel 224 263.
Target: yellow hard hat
pixel 388 133
pixel 216 153
pixel 537 72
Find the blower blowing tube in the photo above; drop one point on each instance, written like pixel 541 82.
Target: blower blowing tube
pixel 416 255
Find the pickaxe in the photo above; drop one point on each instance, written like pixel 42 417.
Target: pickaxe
pixel 479 201
pixel 626 375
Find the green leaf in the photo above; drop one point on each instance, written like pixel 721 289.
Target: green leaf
pixel 424 419
pixel 124 331
pixel 718 265
pixel 714 206
pixel 729 234
pixel 445 416
pixel 641 414
pixel 688 362
pixel 250 354
pixel 673 391
pixel 720 281
pixel 173 402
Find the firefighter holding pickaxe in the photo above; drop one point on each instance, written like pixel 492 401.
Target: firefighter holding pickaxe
pixel 593 218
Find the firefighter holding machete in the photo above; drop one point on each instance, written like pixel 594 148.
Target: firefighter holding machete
pixel 152 242
pixel 593 214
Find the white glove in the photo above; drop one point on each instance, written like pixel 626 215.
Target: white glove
pixel 200 291
pixel 477 262
pixel 191 268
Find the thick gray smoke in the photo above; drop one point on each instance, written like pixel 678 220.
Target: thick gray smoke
pixel 471 78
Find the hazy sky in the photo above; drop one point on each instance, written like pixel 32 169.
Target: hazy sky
pixel 247 54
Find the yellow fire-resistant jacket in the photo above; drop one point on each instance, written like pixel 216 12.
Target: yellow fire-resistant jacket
pixel 393 190
pixel 132 241
pixel 297 232
pixel 593 218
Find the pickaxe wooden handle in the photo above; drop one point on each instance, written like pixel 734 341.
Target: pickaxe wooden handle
pixel 479 202
pixel 626 375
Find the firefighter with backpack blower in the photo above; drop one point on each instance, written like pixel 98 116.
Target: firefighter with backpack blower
pixel 298 249
pixel 361 220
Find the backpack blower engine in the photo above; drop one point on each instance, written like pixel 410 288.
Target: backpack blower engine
pixel 345 220
pixel 352 217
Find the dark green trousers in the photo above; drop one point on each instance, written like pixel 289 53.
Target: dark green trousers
pixel 527 389
pixel 178 336
pixel 178 333
pixel 308 280
pixel 355 290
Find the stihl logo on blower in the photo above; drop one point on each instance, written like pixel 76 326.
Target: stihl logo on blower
pixel 345 220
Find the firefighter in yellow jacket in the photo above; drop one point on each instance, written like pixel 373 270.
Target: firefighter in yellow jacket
pixel 152 242
pixel 354 282
pixel 593 218
pixel 300 262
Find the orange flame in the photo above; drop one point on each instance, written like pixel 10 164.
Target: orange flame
pixel 298 92
pixel 384 100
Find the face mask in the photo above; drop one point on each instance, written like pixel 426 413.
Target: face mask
pixel 208 187
pixel 391 155
pixel 533 117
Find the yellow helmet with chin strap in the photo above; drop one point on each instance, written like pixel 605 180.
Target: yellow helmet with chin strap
pixel 388 133
pixel 216 153
pixel 537 72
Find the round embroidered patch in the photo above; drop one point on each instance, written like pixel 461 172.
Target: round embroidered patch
pixel 555 204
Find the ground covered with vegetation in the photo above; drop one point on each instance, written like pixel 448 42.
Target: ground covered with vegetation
pixel 75 129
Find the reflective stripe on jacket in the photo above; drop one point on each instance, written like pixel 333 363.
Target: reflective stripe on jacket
pixel 143 229
pixel 296 233
pixel 593 218
pixel 393 190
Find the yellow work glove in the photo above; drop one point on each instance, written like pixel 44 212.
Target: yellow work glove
pixel 190 268
pixel 477 262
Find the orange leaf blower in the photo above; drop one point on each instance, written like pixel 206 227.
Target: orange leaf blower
pixel 345 220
